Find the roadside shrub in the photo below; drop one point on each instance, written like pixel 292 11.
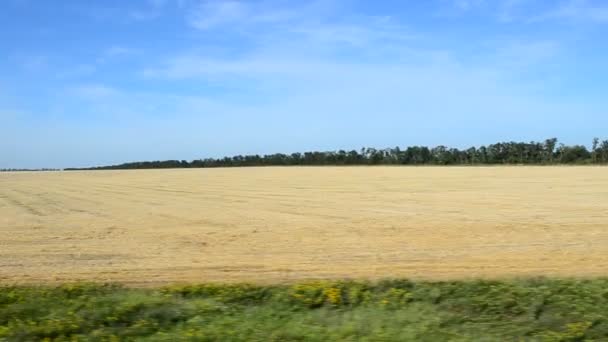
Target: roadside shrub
pixel 314 294
pixel 332 294
pixel 10 295
pixel 395 298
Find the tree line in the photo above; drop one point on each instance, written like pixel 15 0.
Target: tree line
pixel 527 153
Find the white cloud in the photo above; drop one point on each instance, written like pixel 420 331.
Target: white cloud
pixel 410 81
pixel 304 34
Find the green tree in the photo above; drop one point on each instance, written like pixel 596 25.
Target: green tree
pixel 549 149
pixel 594 146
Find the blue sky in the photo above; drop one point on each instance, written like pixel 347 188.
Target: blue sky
pixel 99 82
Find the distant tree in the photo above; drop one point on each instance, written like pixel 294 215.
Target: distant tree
pixel 603 152
pixel 573 154
pixel 594 146
pixel 549 149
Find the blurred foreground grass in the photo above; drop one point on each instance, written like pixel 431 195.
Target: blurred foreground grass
pixel 390 310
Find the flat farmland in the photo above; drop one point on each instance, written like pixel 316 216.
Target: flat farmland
pixel 274 224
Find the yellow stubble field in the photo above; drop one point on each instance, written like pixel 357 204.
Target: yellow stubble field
pixel 281 224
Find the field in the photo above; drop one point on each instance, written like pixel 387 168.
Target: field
pixel 267 225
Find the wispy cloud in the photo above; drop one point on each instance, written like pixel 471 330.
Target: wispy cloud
pixel 312 23
pixel 308 50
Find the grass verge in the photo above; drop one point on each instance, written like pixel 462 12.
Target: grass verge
pixel 390 310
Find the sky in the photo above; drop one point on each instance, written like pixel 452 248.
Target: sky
pixel 86 83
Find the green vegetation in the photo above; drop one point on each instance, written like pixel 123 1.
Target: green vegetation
pixel 532 153
pixel 391 310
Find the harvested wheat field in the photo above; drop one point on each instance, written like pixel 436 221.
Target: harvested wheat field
pixel 284 224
